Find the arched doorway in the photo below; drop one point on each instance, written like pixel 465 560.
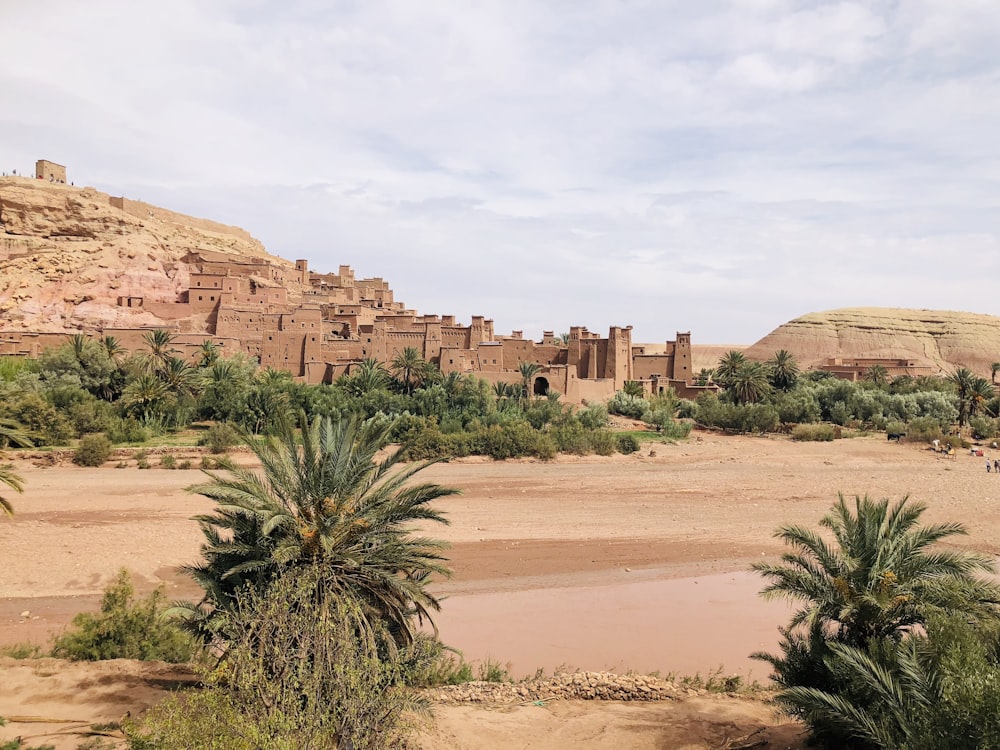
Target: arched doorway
pixel 541 387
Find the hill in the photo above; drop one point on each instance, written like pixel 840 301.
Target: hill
pixel 67 254
pixel 939 339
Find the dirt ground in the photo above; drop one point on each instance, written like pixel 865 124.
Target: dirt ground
pixel 622 563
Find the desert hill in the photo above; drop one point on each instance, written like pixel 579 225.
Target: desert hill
pixel 67 254
pixel 939 339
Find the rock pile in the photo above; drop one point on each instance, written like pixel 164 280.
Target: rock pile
pixel 576 686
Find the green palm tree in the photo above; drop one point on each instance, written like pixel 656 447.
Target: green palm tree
pixel 113 348
pixel 409 367
pixel 962 380
pixel 633 388
pixel 879 578
pixel 324 497
pixel 208 354
pixel 79 342
pixel 12 480
pixel 980 392
pixel 11 433
pixel 146 397
pixel 159 343
pixel 528 370
pixel 749 384
pixel 369 376
pixel 729 365
pixel 877 375
pixel 784 370
pixel 564 338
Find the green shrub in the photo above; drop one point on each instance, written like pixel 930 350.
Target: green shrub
pixel 141 459
pixel 627 444
pixel 304 669
pixel 93 450
pixel 603 442
pixel 168 462
pixel 813 432
pixel 593 417
pixel 125 629
pixel 628 406
pixel 220 437
pixel 22 651
pixel 128 430
pixel 924 430
pixel 429 663
pixel 184 465
pixel 983 428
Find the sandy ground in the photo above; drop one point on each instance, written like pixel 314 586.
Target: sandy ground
pixel 624 563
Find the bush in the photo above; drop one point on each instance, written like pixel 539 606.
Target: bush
pixel 603 442
pixel 220 437
pixel 627 444
pixel 93 450
pixel 129 430
pixel 593 417
pixel 304 668
pixel 628 406
pixel 168 462
pixel 924 429
pixel 983 428
pixel 142 459
pixel 813 432
pixel 125 629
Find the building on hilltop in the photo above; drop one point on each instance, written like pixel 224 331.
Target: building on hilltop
pixel 49 170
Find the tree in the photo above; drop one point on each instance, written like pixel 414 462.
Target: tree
pixel 962 380
pixel 410 368
pixel 980 391
pixel 159 343
pixel 11 433
pixel 370 375
pixel 146 396
pixel 784 370
pixel 633 388
pixel 749 384
pixel 208 353
pixel 331 502
pixel 113 348
pixel 728 366
pixel 528 370
pixel 12 480
pixel 879 578
pixel 877 375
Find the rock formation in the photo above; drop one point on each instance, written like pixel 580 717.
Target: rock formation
pixel 938 339
pixel 67 254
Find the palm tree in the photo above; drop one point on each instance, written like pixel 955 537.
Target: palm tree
pixel 146 396
pixel 962 379
pixel 79 343
pixel 784 370
pixel 409 367
pixel 329 501
pixel 877 375
pixel 729 364
pixel 160 345
pixel 208 353
pixel 113 348
pixel 11 433
pixel 749 384
pixel 369 376
pixel 633 388
pixel 980 391
pixel 564 339
pixel 528 370
pixel 878 579
pixel 12 480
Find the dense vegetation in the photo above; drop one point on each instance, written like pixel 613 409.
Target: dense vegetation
pixel 896 645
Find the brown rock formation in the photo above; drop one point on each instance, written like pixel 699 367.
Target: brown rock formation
pixel 68 253
pixel 940 339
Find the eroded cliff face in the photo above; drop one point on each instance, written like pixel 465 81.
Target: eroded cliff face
pixel 67 254
pixel 942 339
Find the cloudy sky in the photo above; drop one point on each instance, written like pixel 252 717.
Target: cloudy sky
pixel 718 167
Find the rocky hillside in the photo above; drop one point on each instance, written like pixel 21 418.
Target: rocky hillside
pixel 944 340
pixel 68 253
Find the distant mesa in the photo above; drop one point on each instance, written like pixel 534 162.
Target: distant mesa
pixel 923 342
pixel 76 259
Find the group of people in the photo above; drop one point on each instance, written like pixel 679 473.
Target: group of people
pixel 995 466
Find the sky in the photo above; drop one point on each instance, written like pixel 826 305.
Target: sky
pixel 713 167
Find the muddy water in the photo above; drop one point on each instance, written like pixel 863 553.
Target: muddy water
pixel 683 625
